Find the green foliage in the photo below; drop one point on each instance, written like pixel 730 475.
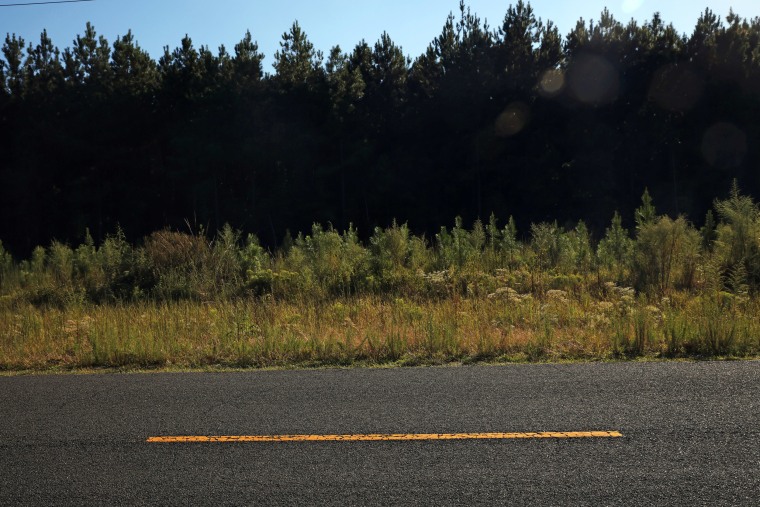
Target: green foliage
pixel 247 63
pixel 547 245
pixel 737 280
pixel 708 232
pixel 665 255
pixel 13 54
pixel 255 263
pixel 134 72
pixel 646 214
pixel 330 299
pixel 346 84
pixel 6 261
pixel 330 263
pixel 60 262
pixel 459 247
pixel 509 244
pixel 738 236
pixel 615 249
pixel 297 62
pixel 396 258
pixel 126 271
pixel 226 263
pixel 486 260
pixel 177 261
pixel 7 269
pixel 581 251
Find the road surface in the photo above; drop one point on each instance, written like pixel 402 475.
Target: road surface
pixel 690 436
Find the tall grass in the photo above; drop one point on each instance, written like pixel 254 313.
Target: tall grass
pixel 665 290
pixel 267 332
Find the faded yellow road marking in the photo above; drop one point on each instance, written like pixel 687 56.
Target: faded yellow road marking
pixel 374 437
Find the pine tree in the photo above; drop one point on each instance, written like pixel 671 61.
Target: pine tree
pixel 14 65
pixel 615 249
pixel 89 61
pixel 45 72
pixel 135 73
pixel 646 213
pixel 247 64
pixel 297 63
pixel 708 232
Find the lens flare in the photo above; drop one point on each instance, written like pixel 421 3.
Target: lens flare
pixel 593 80
pixel 676 88
pixel 631 6
pixel 552 82
pixel 513 119
pixel 724 145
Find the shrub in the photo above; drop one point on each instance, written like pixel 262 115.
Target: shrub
pixel 458 247
pixel 391 257
pixel 177 261
pixel 256 263
pixel 224 268
pixel 508 244
pixel 338 263
pixel 7 268
pixel 61 263
pixel 614 251
pixel 127 272
pixel 665 255
pixel 738 236
pixel 577 254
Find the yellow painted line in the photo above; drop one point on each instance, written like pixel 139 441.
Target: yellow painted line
pixel 379 437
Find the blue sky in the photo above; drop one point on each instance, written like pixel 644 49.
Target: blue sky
pixel 412 24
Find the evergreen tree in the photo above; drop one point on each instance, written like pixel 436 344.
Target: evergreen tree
pixel 507 119
pixel 13 53
pixel 247 64
pixel 181 72
pixel 135 73
pixel 44 69
pixel 646 213
pixel 88 62
pixel 297 63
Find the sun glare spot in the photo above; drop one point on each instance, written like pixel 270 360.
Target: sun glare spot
pixel 593 80
pixel 631 6
pixel 552 82
pixel 513 119
pixel 724 145
pixel 676 88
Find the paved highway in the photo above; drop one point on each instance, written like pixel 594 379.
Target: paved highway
pixel 691 436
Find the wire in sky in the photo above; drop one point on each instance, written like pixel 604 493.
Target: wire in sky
pixel 45 3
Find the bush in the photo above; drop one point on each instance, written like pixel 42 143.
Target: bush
pixel 7 269
pixel 459 247
pixel 665 255
pixel 127 272
pixel 614 251
pixel 331 263
pixel 738 236
pixel 177 261
pixel 547 245
pixel 577 254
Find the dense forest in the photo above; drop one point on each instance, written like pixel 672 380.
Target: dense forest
pixel 515 119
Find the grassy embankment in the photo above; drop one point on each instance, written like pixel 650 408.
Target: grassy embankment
pixel 665 290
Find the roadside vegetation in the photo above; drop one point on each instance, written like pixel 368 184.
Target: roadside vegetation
pixel 662 290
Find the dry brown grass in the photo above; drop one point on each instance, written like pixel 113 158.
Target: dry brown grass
pixel 265 332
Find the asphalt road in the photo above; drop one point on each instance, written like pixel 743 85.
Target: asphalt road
pixel 691 436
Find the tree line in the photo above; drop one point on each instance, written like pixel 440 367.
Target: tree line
pixel 514 119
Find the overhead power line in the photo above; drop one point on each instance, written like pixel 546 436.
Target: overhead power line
pixel 45 3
